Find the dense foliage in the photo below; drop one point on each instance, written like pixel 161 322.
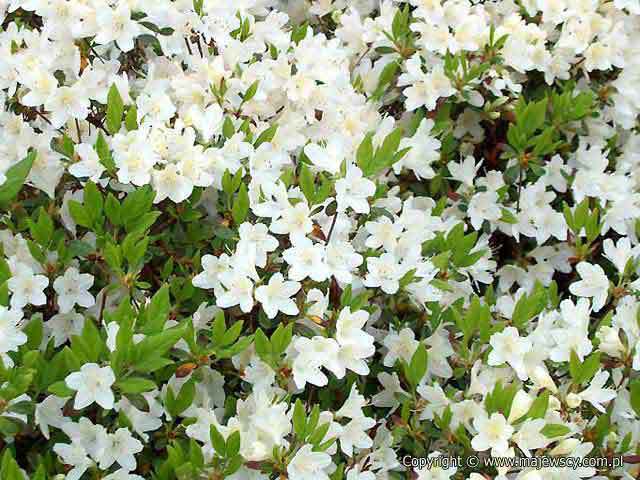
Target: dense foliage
pixel 262 239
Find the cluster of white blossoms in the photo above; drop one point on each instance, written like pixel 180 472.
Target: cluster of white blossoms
pixel 310 239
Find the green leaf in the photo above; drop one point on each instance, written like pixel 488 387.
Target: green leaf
pixel 299 419
pixel 185 397
pixel 79 214
pixel 60 389
pixel 634 387
pixel 364 155
pixel 228 130
pixel 16 176
pixel 306 180
pixel 112 210
pixel 42 230
pixel 135 385
pixel 251 91
pixel 115 110
pixel 281 338
pixel 232 334
pixel 418 364
pixel 158 311
pixel 217 440
pixel 93 202
pixel 539 406
pixel 263 347
pixel 583 371
pixel 131 119
pixel 266 136
pixel 553 430
pixel 104 153
pixel 233 444
pixel 508 217
pixel 240 208
pixel 157 345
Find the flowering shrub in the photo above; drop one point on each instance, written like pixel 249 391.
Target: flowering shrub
pixel 257 239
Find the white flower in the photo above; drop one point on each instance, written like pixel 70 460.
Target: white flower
pixel 436 399
pixel 257 239
pixel 48 413
pixel 276 296
pixel 121 448
pixel 73 289
pixel 116 25
pixel 400 345
pixel 593 284
pixel 530 437
pixel 509 347
pixel 436 471
pixel 295 221
pixel 141 422
pixel 11 337
pixel 92 437
pixel 27 288
pixel 313 354
pixel 425 88
pixel 171 183
pixel 464 172
pixel 92 384
pixel 595 394
pixel 122 474
pixel 493 433
pixel 63 326
pixel 212 267
pixel 573 333
pixel 306 259
pixel 309 465
pixel 342 260
pixel 238 290
pixel 353 191
pixel 74 455
pixel 484 206
pixel 387 398
pixel 354 434
pixel 384 272
pixel 327 158
pixel 619 254
pixel 89 164
pixel 383 233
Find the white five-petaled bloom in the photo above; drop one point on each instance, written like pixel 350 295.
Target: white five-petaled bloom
pixel 295 221
pixel 27 287
pixel 92 384
pixel 594 284
pixel 116 25
pixel 619 254
pixel 73 454
pixel 73 289
pixel 493 433
pixel 49 413
pixel 384 272
pixel 121 448
pixel 276 296
pixel 238 291
pixel 353 191
pixel 595 394
pixel 11 337
pixel 400 345
pixel 306 259
pixel 171 183
pixel 309 465
pixel 509 347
